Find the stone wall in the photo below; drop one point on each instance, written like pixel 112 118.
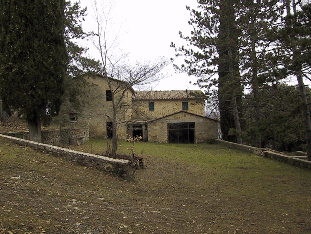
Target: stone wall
pixel 165 107
pixel 297 160
pixel 119 166
pixel 205 129
pixel 99 111
pixel 245 148
pixel 95 111
pixel 300 161
pixel 66 136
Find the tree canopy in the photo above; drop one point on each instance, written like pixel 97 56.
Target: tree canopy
pixel 33 60
pixel 278 120
pixel 243 47
pixel 212 55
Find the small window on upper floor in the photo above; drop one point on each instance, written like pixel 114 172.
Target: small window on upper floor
pixel 151 106
pixel 185 106
pixel 108 95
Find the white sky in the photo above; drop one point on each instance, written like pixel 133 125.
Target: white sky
pixel 145 30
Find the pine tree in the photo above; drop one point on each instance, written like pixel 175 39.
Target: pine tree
pixel 33 59
pixel 280 123
pixel 256 18
pixel 80 65
pixel 212 55
pixel 295 45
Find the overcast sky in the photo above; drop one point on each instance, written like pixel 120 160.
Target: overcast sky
pixel 145 30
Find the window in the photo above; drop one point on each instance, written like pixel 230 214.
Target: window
pixel 184 105
pixel 108 95
pixel 151 106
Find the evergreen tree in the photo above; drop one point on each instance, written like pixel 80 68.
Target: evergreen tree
pixel 295 42
pixel 213 56
pixel 33 59
pixel 256 18
pixel 279 120
pixel 79 64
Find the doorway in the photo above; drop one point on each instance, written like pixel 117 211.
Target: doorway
pixel 109 130
pixel 137 130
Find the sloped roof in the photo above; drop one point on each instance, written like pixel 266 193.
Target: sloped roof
pixel 165 95
pixel 186 112
pixel 145 121
pixel 125 83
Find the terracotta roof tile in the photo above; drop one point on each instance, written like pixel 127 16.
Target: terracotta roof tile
pixel 165 95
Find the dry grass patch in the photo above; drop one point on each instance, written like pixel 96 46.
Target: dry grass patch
pixel 184 189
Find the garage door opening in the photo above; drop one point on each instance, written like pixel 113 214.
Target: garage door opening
pixel 181 132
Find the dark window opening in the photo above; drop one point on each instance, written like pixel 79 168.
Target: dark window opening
pixel 108 95
pixel 151 106
pixel 109 130
pixel 181 132
pixel 185 106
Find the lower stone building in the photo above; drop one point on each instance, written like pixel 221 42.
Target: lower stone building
pixel 175 116
pixel 179 127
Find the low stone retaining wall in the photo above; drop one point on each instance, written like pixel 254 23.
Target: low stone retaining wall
pixel 65 136
pixel 297 160
pixel 300 161
pixel 118 166
pixel 245 148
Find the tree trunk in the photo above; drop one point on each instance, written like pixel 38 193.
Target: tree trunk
pixel 114 133
pixel 255 86
pixel 306 112
pixel 228 67
pixel 34 125
pixel 235 83
pixel 298 73
pixel 237 120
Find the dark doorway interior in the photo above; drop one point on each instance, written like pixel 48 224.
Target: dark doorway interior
pixel 181 132
pixel 137 131
pixel 109 130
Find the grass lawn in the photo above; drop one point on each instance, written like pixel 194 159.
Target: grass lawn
pixel 183 189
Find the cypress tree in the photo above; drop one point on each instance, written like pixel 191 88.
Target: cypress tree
pixel 229 88
pixel 212 55
pixel 33 59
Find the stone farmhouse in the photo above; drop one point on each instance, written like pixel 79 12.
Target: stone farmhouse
pixel 156 116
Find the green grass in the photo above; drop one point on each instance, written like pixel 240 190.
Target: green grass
pixel 183 189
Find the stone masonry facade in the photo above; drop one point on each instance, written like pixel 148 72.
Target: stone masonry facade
pixel 175 116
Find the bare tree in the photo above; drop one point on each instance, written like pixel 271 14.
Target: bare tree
pixel 114 67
